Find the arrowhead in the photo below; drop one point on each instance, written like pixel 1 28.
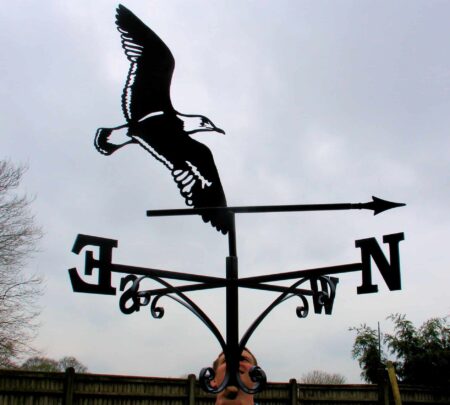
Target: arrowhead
pixel 378 205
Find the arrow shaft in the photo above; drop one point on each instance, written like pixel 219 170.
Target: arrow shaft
pixel 256 209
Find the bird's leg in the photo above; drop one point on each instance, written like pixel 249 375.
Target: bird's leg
pixel 108 140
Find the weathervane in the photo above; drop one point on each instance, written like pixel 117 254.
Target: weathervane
pixel 153 123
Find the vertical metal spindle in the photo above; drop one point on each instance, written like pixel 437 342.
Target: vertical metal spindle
pixel 232 307
pixel 232 236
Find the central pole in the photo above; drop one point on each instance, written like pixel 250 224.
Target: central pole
pixel 232 236
pixel 232 307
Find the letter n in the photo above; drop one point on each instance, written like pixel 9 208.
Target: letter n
pixel 370 249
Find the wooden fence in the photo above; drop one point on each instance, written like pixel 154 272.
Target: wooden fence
pixel 39 388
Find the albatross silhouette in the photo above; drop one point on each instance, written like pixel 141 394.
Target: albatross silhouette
pixel 154 124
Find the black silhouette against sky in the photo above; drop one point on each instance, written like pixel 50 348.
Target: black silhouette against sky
pixel 153 123
pixel 322 101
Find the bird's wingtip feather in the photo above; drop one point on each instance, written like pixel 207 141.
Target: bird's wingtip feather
pixel 121 10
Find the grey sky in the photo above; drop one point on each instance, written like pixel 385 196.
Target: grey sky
pixel 322 101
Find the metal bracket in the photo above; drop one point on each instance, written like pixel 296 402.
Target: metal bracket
pixel 316 284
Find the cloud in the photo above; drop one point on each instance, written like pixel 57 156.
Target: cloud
pixel 322 102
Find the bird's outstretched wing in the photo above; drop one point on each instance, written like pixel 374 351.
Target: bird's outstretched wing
pixel 147 88
pixel 199 183
pixel 193 169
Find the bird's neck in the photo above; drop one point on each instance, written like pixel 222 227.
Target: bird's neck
pixel 191 123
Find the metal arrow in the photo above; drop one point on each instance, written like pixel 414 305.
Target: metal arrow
pixel 377 205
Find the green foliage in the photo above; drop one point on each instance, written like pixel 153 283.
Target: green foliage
pixel 366 351
pixel 322 377
pixel 422 354
pixel 45 364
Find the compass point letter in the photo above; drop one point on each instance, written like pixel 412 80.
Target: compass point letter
pixel 370 249
pixel 103 264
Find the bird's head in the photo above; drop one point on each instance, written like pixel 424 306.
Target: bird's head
pixel 198 123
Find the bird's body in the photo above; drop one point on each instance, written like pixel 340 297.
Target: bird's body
pixel 154 124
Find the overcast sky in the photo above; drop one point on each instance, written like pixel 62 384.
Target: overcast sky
pixel 321 101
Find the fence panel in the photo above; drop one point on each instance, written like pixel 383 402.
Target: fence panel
pixel 39 388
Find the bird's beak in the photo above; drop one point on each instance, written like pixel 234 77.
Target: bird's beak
pixel 220 131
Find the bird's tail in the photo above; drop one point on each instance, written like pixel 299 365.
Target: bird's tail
pixel 105 145
pixel 221 220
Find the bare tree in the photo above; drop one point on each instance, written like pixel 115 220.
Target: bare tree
pixel 322 377
pixel 18 291
pixel 70 361
pixel 38 363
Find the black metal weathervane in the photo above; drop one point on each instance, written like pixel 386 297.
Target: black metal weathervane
pixel 153 123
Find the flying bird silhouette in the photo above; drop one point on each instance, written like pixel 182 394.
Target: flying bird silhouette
pixel 153 123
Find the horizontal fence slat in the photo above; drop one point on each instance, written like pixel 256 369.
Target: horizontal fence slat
pixel 40 388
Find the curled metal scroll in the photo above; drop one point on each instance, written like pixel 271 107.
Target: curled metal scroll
pixel 258 376
pixel 143 298
pixel 207 375
pixel 301 311
pixel 205 378
pixel 256 373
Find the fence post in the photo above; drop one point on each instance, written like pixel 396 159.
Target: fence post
pixel 293 395
pixel 191 389
pixel 69 386
pixel 383 393
pixel 394 384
